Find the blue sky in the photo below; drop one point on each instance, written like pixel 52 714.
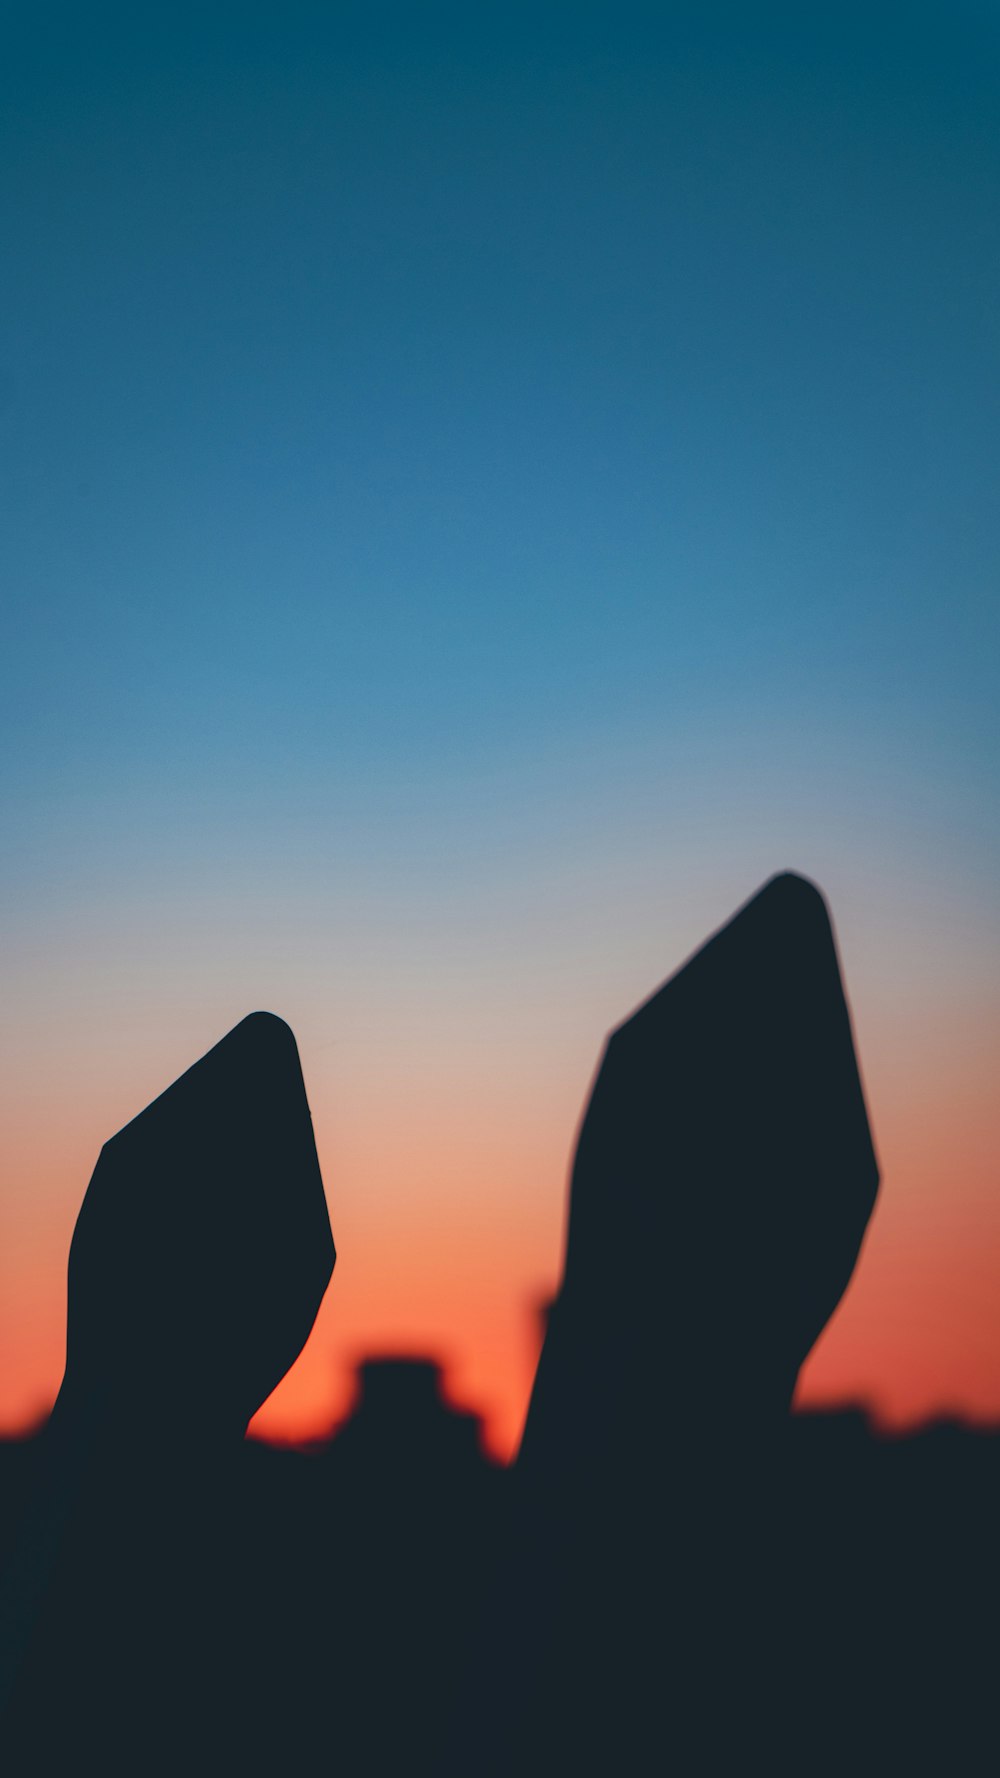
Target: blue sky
pixel 378 402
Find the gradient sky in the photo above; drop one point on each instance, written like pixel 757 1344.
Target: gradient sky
pixel 480 492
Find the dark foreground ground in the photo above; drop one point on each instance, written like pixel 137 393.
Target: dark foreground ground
pixel 373 1605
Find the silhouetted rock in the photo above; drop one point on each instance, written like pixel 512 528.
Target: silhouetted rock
pixel 198 1263
pixel 723 1179
pixel 202 1249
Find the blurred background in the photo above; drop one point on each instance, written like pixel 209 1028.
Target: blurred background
pixel 481 491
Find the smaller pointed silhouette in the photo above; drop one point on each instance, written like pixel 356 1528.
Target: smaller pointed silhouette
pixel 203 1247
pixel 199 1260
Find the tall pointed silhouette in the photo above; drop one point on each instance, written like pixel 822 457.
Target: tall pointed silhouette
pixel 723 1179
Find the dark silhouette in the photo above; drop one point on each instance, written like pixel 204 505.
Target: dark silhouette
pixel 326 1602
pixel 894 1538
pixel 723 1179
pixel 198 1263
pixel 724 1176
pixel 676 1575
pixel 203 1246
pixel 407 1508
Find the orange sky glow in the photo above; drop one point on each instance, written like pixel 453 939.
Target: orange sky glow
pixel 449 1215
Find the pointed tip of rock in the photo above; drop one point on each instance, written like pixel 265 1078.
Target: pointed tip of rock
pixel 790 893
pixel 264 1030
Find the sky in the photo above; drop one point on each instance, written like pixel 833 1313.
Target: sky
pixel 480 491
